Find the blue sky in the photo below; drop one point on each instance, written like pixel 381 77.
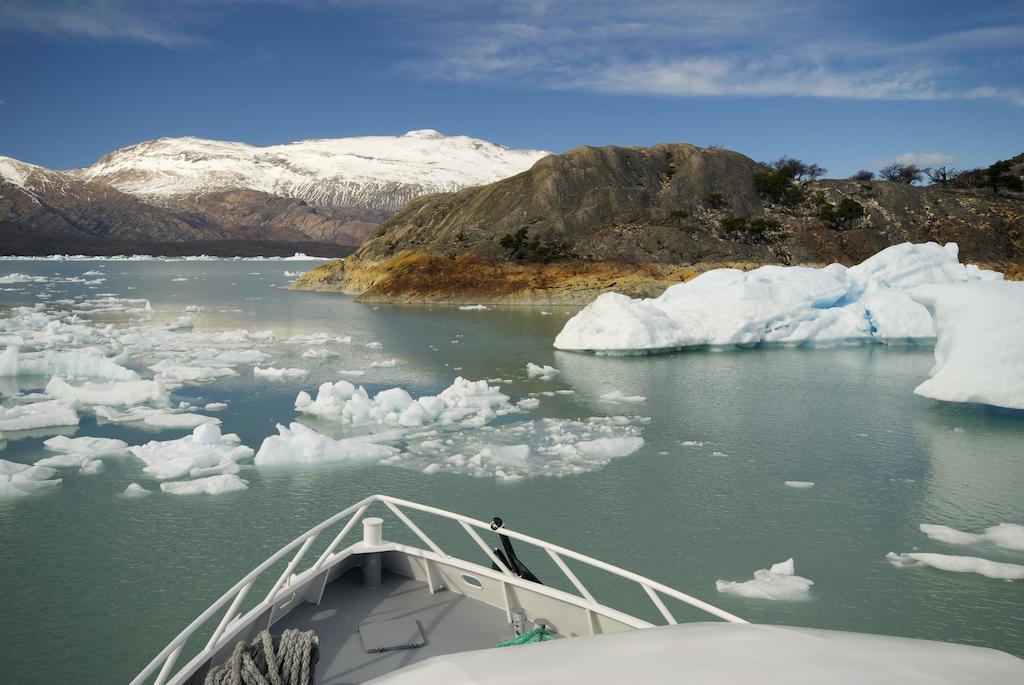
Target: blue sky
pixel 847 85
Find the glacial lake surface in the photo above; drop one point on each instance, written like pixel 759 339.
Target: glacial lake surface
pixel 93 585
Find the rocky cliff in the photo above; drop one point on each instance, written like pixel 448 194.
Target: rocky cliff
pixel 638 219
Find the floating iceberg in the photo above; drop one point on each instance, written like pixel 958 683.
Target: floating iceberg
pixel 300 444
pixel 211 485
pixel 997 570
pixel 81 449
pixel 979 355
pixel 545 372
pixel 18 480
pixel 113 393
pixel 274 374
pixel 779 582
pixel 13 362
pixel 156 418
pixel 205 449
pixel 777 305
pixel 134 490
pixel 464 401
pixel 1005 535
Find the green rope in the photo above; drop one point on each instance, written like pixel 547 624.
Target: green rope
pixel 536 635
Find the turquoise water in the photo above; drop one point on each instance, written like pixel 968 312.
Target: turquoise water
pixel 93 585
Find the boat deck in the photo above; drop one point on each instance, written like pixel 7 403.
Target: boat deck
pixel 449 623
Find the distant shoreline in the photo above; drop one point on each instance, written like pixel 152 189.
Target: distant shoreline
pixel 35 246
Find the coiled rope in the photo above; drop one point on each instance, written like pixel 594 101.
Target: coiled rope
pixel 292 663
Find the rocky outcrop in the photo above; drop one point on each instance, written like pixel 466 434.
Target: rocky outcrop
pixel 657 214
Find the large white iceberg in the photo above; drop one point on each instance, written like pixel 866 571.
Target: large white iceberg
pixel 75 364
pixel 979 355
pixel 113 393
pixel 777 305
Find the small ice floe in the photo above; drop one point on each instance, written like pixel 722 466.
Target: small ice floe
pixel 134 491
pixel 543 313
pixel 299 444
pixel 48 414
pixel 716 453
pixel 215 406
pixel 211 485
pixel 179 279
pixel 692 443
pixel 91 467
pixel 464 401
pixel 318 339
pixel 385 364
pixel 182 323
pixel 112 393
pixel 799 484
pixel 91 448
pixel 19 480
pixel 1005 535
pixel 351 372
pixel 619 396
pixel 472 307
pixel 274 374
pixel 779 582
pixel 319 353
pixel 176 374
pixel 156 418
pixel 997 570
pixel 545 372
pixel 375 345
pixel 205 449
pixel 528 403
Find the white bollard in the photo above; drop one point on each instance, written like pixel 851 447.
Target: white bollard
pixel 373 531
pixel 372 536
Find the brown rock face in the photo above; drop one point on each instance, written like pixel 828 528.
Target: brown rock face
pixel 653 211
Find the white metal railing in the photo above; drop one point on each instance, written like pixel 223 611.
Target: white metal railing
pixel 234 597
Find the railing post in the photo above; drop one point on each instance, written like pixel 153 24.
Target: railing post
pixel 373 531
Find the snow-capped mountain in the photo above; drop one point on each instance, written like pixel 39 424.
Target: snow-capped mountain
pixel 372 172
pixel 330 192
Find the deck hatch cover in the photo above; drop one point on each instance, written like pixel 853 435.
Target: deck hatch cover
pixel 384 636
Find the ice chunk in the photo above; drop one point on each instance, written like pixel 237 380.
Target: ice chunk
pixel 775 305
pixel 52 413
pixel 173 373
pixel 299 444
pixel 72 364
pixel 779 582
pixel 319 353
pixel 619 396
pixel 997 570
pixel 157 418
pixel 93 448
pixel 113 393
pixel 978 355
pixel 375 345
pixel 215 406
pixel 274 374
pixel 91 467
pixel 182 323
pixel 385 364
pixel 545 372
pixel 135 490
pixel 1005 535
pixel 799 484
pixel 18 480
pixel 205 448
pixel 211 485
pixel 471 307
pixel 463 401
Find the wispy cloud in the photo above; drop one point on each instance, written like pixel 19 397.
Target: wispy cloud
pixel 921 159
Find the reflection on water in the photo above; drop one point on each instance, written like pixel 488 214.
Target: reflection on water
pixel 111 580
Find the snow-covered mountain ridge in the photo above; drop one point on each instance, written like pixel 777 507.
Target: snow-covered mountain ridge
pixel 375 172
